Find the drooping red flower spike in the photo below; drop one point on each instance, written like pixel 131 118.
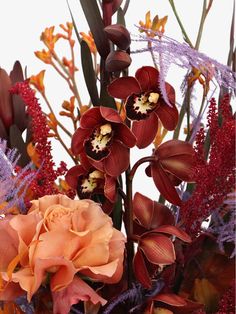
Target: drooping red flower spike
pixel 175 158
pixel 144 103
pixel 105 139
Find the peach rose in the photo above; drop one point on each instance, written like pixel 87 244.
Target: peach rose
pixel 63 237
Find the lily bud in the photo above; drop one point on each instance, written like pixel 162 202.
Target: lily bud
pixel 119 35
pixel 117 61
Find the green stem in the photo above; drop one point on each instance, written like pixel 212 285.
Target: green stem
pixel 205 10
pixel 152 54
pixel 187 39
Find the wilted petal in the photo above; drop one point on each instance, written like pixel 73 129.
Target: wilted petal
pixel 78 138
pixel 140 270
pixel 91 118
pixel 118 160
pixel 73 174
pixel 180 166
pixel 77 291
pixel 123 87
pixel 125 135
pixel 145 130
pixel 147 77
pixel 174 231
pixel 158 249
pixel 170 298
pixel 164 185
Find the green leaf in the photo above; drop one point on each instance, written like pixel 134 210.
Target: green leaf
pixel 73 21
pixel 89 75
pixel 117 214
pixel 95 22
pixel 120 17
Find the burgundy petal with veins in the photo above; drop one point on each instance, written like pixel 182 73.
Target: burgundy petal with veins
pixel 110 115
pixel 91 118
pixel 125 136
pixel 147 77
pixel 145 130
pixel 123 87
pixel 78 138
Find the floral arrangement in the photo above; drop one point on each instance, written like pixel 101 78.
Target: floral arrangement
pixel 76 238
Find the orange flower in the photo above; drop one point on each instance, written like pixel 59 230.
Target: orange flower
pixel 37 81
pixel 48 38
pixel 44 56
pixel 155 25
pixel 95 248
pixel 90 41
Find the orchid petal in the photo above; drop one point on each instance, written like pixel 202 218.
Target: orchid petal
pixel 72 175
pixel 164 184
pixel 125 135
pixel 168 115
pixel 147 77
pixel 110 115
pixel 123 87
pixel 110 188
pixel 78 138
pixel 145 130
pixel 174 147
pixel 91 118
pixel 118 160
pixel 140 270
pixel 172 230
pixel 158 249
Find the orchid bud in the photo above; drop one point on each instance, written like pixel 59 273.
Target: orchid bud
pixel 117 61
pixel 119 35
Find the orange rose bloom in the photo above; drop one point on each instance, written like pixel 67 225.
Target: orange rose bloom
pixel 62 237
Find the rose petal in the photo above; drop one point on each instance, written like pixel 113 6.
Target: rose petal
pixel 164 184
pixel 118 160
pixel 145 130
pixel 78 138
pixel 123 87
pixel 174 231
pixel 125 135
pixel 140 270
pixel 147 77
pixel 158 249
pixel 110 114
pixel 171 299
pixel 76 291
pixel 91 118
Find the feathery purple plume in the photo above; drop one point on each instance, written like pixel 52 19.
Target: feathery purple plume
pixel 168 51
pixel 12 186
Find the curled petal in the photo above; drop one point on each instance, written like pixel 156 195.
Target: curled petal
pixel 78 138
pixel 158 249
pixel 118 160
pixel 123 87
pixel 164 184
pixel 91 118
pixel 174 147
pixel 182 235
pixel 76 291
pixel 147 77
pixel 145 130
pixel 140 270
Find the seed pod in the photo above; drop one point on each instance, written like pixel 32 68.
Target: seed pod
pixel 117 61
pixel 119 35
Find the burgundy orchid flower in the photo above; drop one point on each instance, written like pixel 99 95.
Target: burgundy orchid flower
pixel 89 182
pixel 155 247
pixel 105 139
pixel 174 160
pixel 144 103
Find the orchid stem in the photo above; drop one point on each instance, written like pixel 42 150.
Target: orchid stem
pixel 138 163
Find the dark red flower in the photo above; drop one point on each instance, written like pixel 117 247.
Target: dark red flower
pixel 144 103
pixel 175 158
pixel 90 182
pixel 105 139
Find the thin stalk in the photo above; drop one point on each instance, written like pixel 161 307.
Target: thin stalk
pixel 125 8
pixel 152 55
pixel 205 11
pixel 180 23
pixel 65 147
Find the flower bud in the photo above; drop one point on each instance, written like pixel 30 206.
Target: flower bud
pixel 119 35
pixel 117 61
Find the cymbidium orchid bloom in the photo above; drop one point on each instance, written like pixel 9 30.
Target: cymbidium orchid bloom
pixel 105 139
pixel 173 162
pixel 155 247
pixel 144 103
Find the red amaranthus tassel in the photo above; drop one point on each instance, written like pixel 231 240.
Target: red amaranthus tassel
pixel 227 302
pixel 214 178
pixel 45 180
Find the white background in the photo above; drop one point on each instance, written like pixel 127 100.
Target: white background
pixel 21 23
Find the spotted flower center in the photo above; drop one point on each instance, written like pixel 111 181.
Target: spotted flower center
pixel 90 183
pixel 97 147
pixel 139 107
